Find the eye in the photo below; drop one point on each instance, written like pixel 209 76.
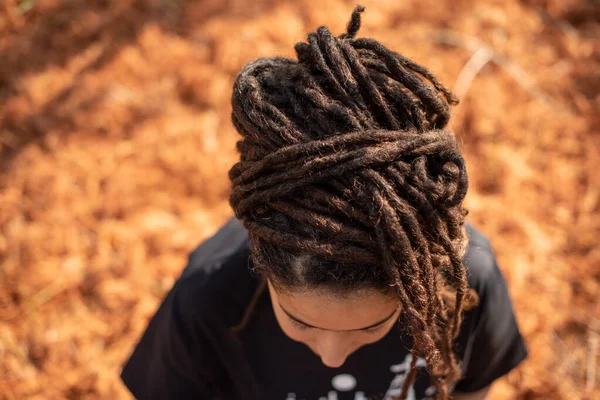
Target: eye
pixel 373 330
pixel 298 325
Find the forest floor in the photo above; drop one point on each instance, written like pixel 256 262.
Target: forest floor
pixel 116 139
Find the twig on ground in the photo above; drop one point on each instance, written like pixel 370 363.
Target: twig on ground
pixel 483 52
pixel 566 27
pixel 568 356
pixel 477 61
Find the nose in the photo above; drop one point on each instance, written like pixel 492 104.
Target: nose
pixel 334 348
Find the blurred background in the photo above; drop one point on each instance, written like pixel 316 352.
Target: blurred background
pixel 115 142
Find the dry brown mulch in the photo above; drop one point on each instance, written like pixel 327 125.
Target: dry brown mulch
pixel 115 142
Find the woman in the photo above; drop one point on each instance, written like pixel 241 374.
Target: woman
pixel 348 271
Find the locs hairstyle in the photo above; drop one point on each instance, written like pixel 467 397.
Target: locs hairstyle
pixel 347 180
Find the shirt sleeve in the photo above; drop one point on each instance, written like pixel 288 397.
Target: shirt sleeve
pixel 492 343
pixel 164 364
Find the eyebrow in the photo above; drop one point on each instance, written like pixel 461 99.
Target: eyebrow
pixel 376 324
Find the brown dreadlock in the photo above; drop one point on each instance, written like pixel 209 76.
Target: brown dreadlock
pixel 347 179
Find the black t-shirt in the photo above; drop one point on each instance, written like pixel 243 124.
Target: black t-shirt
pixel 189 352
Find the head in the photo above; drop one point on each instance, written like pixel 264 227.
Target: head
pixel 351 191
pixel 334 325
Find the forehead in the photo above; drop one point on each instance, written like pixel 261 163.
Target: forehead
pixel 326 310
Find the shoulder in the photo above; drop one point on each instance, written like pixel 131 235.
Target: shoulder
pixel 230 239
pixel 489 343
pixel 186 347
pixel 485 277
pixel 217 279
pixel 480 259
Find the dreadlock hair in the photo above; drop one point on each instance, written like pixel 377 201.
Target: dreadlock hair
pixel 348 180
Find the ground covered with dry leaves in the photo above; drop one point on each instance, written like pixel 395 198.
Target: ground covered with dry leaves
pixel 115 142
